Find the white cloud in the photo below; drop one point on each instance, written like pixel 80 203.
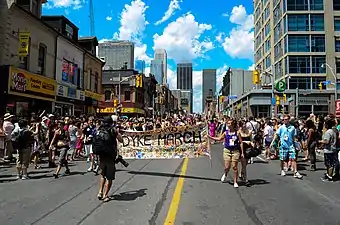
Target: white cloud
pixel 75 4
pixel 239 42
pixel 252 67
pixel 225 14
pixel 182 39
pixel 219 76
pixel 132 21
pixel 109 18
pixel 132 26
pixel 173 6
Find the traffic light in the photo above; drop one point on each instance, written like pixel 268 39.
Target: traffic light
pixel 115 103
pixel 284 98
pixel 277 100
pixel 256 77
pixel 139 81
pixel 320 86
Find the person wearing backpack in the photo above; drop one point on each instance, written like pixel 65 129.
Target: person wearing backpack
pixel 104 146
pixel 23 141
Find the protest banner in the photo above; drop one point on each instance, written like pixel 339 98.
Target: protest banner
pixel 165 143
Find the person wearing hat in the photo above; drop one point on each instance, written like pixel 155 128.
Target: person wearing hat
pixel 8 128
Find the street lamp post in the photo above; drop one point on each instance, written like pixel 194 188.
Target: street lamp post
pixel 335 82
pixel 272 76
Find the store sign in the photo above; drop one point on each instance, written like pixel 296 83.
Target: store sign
pixel 81 95
pixel 72 93
pixel 31 84
pixel 132 110
pixel 61 91
pixel 94 96
pixel 107 110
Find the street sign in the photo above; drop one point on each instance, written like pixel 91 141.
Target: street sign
pixel 273 101
pixel 327 82
pixel 280 86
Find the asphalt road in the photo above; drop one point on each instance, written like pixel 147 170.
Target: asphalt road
pixel 153 192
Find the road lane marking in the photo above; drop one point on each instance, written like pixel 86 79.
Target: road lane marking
pixel 171 217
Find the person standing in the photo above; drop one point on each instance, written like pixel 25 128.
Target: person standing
pixel 105 146
pixel 8 128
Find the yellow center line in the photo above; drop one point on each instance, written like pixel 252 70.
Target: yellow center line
pixel 171 217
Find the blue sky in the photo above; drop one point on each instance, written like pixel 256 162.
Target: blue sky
pixel 212 34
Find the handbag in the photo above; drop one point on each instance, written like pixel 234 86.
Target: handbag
pixel 61 143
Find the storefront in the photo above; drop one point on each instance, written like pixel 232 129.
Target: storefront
pixel 69 101
pixel 123 111
pixel 92 101
pixel 28 93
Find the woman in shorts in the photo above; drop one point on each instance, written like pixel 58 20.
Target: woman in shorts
pixel 231 151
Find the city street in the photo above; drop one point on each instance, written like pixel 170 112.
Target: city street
pixel 149 191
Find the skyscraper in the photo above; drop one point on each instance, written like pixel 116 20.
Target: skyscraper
pixel 298 42
pixel 160 54
pixel 116 53
pixel 208 84
pixel 156 68
pixel 184 81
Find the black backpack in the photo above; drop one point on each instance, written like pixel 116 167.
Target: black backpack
pixel 105 142
pixel 23 139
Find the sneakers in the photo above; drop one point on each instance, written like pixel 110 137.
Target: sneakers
pixel 224 178
pixel 297 175
pixel 24 177
pixel 18 177
pixel 283 173
pixel 235 185
pixel 90 169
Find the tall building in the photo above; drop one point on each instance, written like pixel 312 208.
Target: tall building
pixel 208 84
pixel 184 80
pixel 160 54
pixel 116 53
pixel 140 66
pixel 299 42
pixel 156 68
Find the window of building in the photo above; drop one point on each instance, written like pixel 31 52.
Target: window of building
pixel 337 44
pixel 317 22
pixel 107 95
pixel 297 5
pixel 318 43
pixel 277 13
pixel 299 82
pixel 316 4
pixel 267 29
pixel 266 12
pixel 298 43
pixel 278 32
pixel 267 45
pixel 268 61
pixel 69 71
pixel 96 76
pixel 278 69
pixel 317 62
pixel 127 96
pixel 316 81
pixel 336 5
pixel 299 64
pixel 337 23
pixel 337 65
pixel 42 59
pixel 284 6
pixel 298 22
pixel 278 51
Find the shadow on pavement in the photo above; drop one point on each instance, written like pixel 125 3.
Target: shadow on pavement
pixel 129 195
pixel 171 175
pixel 260 162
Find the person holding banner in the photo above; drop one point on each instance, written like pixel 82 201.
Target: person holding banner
pixel 231 151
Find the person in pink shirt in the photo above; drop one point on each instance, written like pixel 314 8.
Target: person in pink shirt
pixel 8 128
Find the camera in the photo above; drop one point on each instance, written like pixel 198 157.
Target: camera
pixel 122 161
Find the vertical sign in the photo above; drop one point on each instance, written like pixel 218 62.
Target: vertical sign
pixel 24 39
pixel 337 107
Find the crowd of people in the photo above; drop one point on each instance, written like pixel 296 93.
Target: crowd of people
pixel 71 139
